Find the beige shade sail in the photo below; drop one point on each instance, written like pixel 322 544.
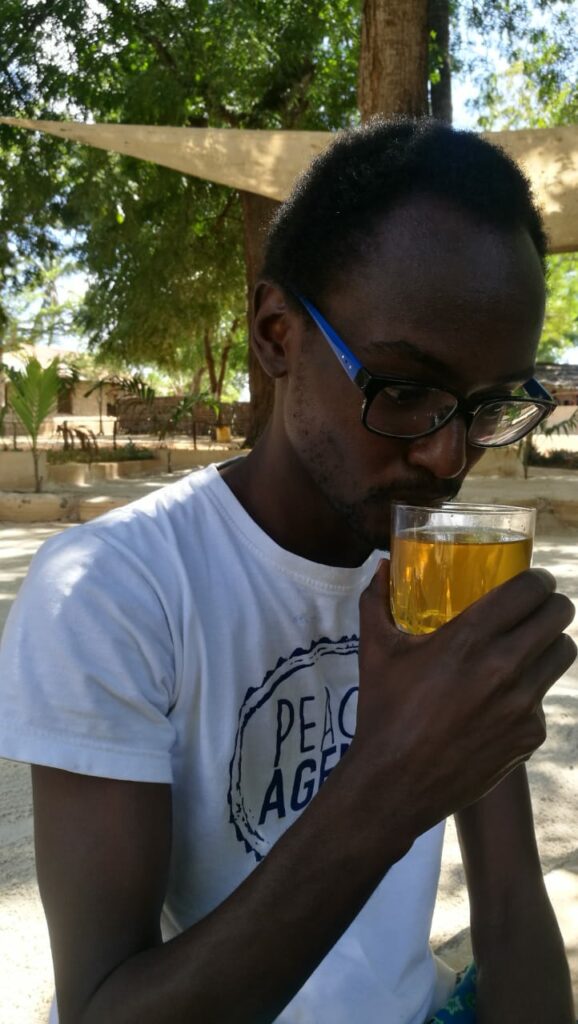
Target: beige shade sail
pixel 268 162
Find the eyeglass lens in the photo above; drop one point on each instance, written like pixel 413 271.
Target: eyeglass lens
pixel 500 422
pixel 408 411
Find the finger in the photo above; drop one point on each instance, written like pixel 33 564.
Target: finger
pixel 509 604
pixel 542 628
pixel 551 665
pixel 375 604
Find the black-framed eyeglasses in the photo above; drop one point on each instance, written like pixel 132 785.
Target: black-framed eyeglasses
pixel 406 409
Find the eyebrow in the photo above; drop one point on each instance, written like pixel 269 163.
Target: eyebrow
pixel 437 365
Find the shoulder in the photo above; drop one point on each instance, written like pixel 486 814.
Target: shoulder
pixel 141 537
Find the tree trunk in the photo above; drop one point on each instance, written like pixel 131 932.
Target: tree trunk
pixel 37 477
pixel 393 63
pixel 210 360
pixel 257 213
pixel 438 18
pixel 195 383
pixel 100 398
pixel 224 360
pixel 223 369
pixel 2 378
pixel 525 453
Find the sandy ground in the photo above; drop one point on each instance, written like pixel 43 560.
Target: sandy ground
pixel 25 967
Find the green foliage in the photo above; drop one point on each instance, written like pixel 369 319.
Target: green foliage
pixel 538 37
pixel 533 93
pixel 35 310
pixel 561 323
pixel 32 394
pixel 134 386
pixel 169 425
pixel 513 98
pixel 123 453
pixel 567 427
pixel 164 252
pixel 171 269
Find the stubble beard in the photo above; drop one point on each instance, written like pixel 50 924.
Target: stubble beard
pixel 368 518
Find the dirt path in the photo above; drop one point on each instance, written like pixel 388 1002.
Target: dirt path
pixel 26 967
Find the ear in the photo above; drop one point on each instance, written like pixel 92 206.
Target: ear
pixel 274 328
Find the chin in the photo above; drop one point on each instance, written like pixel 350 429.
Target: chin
pixel 369 521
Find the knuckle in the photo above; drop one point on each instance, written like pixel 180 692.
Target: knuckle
pixel 533 734
pixel 458 637
pixel 524 706
pixel 500 665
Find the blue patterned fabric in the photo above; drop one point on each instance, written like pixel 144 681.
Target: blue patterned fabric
pixel 461 1008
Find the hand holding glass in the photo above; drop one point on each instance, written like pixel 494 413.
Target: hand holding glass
pixel 446 557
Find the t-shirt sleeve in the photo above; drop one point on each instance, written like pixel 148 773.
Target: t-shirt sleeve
pixel 87 664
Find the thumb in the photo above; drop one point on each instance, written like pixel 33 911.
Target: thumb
pixel 375 605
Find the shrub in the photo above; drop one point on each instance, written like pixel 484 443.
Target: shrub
pixel 127 453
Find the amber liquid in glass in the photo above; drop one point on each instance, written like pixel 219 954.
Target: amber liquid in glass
pixel 435 576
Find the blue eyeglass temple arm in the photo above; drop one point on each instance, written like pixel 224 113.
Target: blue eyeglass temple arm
pixel 356 371
pixel 535 390
pixel 350 364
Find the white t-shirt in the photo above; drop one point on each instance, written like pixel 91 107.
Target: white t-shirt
pixel 173 641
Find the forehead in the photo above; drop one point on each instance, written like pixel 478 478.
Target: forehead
pixel 463 292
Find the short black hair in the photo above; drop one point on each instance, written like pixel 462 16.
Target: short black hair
pixel 321 230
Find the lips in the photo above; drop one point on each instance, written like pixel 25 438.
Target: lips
pixel 425 500
pixel 424 496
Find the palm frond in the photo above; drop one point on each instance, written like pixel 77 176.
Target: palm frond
pixel 33 392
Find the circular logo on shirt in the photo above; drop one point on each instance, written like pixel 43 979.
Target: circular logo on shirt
pixel 293 729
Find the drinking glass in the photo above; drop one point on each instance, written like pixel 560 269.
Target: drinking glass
pixel 445 557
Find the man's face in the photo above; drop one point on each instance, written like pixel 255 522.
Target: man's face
pixel 439 300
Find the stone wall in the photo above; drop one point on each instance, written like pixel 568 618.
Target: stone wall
pixel 17 470
pixel 136 417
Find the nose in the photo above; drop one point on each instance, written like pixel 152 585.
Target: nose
pixel 443 453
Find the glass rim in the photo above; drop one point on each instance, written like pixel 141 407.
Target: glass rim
pixel 465 507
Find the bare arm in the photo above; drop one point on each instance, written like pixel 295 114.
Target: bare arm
pixel 523 974
pixel 102 856
pixel 103 847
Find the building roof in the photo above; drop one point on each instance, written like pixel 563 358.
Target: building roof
pixel 558 375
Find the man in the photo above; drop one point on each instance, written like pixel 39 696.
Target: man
pixel 211 740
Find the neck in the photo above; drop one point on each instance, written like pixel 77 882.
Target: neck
pixel 278 493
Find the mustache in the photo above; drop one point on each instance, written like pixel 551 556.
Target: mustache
pixel 415 492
